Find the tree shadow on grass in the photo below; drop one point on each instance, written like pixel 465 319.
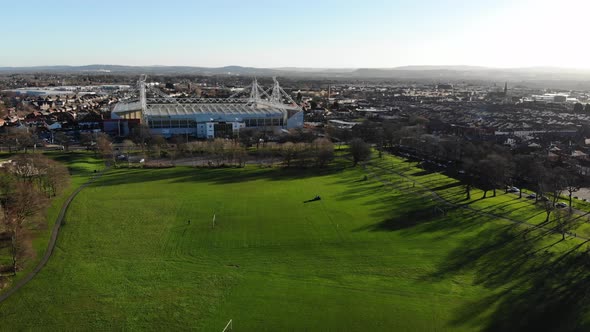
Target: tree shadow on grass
pixel 422 173
pixel 536 281
pixel 213 175
pixel 447 186
pixel 535 285
pixel 403 220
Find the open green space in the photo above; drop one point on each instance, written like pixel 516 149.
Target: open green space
pixel 367 256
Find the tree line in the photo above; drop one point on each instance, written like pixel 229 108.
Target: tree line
pixel 26 185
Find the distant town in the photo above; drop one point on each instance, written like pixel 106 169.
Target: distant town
pixel 500 112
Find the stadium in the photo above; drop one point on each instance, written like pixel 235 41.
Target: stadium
pixel 207 117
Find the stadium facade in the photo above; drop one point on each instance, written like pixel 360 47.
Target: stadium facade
pixel 211 117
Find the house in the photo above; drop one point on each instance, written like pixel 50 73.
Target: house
pixel 52 125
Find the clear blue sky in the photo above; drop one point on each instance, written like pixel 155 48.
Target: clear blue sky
pixel 345 33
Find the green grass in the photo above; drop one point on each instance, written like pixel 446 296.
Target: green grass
pixel 406 175
pixel 365 257
pixel 81 166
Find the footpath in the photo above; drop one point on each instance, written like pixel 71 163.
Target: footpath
pixel 52 240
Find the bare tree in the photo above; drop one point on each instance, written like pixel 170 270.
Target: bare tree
pixel 20 138
pixel 553 185
pixel 104 146
pixel 288 151
pixel 87 140
pixel 158 142
pixel 62 139
pixel 565 221
pixel 572 184
pixel 56 177
pixel 522 169
pixel 19 201
pixel 359 150
pixel 493 170
pixel 142 136
pixel 323 151
pixel 128 145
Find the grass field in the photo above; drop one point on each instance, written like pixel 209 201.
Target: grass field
pixel 365 257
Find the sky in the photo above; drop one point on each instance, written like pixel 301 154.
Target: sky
pixel 303 33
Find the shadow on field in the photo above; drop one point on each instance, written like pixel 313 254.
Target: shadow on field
pixel 422 173
pixel 212 175
pixel 538 289
pixel 537 281
pixel 447 186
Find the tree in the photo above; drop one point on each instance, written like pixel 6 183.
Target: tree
pixel 587 108
pixel 20 138
pixel 288 152
pixel 141 135
pixel 565 221
pixel 359 150
pixel 468 174
pixel 158 142
pixel 87 140
pixel 578 108
pixel 128 145
pixel 47 175
pixel 367 131
pixel 572 184
pixel 56 177
pixel 19 200
pixel 246 136
pixel 62 139
pixel 537 174
pixel 104 145
pixel 239 154
pixel 323 151
pixel 552 184
pixel 522 169
pixel 494 171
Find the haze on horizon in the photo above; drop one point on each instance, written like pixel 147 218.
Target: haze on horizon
pixel 330 34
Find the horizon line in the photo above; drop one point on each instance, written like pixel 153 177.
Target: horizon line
pixel 311 67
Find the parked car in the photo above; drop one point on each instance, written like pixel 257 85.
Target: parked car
pixel 533 195
pixel 513 190
pixel 561 205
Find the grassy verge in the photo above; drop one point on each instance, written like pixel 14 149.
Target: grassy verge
pixel 81 166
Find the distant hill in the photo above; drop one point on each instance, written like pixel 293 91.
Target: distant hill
pixel 430 73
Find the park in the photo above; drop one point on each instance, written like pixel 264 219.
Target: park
pixel 380 250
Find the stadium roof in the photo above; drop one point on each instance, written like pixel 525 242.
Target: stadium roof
pixel 213 109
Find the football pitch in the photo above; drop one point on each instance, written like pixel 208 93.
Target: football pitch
pixel 139 250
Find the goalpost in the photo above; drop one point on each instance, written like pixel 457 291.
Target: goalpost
pixel 229 326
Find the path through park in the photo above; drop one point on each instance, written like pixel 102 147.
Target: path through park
pixel 52 241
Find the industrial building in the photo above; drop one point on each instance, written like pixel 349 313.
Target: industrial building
pixel 211 117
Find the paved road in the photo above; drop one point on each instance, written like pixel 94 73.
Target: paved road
pixel 52 241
